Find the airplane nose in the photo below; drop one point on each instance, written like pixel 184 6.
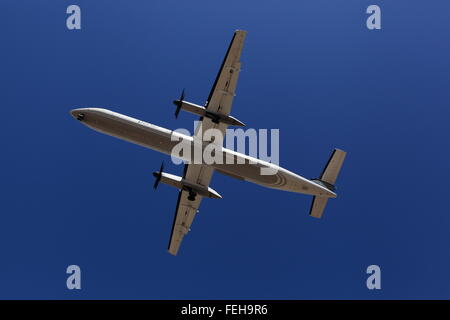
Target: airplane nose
pixel 78 114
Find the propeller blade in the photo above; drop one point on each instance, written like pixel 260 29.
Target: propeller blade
pixel 158 176
pixel 177 111
pixel 182 96
pixel 179 103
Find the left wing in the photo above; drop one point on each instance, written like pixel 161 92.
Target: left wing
pixel 220 101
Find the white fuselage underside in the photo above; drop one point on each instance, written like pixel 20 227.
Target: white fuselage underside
pixel 160 139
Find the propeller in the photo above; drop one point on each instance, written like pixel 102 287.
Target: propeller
pixel 179 103
pixel 158 175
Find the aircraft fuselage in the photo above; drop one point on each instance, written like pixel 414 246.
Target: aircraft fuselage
pixel 162 140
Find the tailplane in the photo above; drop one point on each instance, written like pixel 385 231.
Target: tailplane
pixel 327 179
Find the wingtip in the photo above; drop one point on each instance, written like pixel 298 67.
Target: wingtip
pixel 240 31
pixel 340 150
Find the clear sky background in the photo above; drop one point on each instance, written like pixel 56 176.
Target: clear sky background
pixel 70 195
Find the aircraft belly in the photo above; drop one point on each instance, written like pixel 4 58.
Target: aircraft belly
pixel 137 132
pixel 233 164
pixel 280 178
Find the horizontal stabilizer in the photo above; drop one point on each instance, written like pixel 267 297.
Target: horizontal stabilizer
pixel 333 166
pixel 327 179
pixel 317 206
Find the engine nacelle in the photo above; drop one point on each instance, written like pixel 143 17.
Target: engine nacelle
pixel 203 112
pixel 193 188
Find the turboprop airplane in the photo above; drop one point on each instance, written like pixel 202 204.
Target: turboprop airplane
pixel 194 184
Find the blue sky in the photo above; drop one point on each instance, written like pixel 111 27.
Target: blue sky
pixel 310 68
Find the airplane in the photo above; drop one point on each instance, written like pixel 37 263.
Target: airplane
pixel 194 184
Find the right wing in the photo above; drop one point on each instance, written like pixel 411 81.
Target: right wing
pixel 222 93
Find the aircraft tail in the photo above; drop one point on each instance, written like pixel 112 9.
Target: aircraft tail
pixel 327 179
